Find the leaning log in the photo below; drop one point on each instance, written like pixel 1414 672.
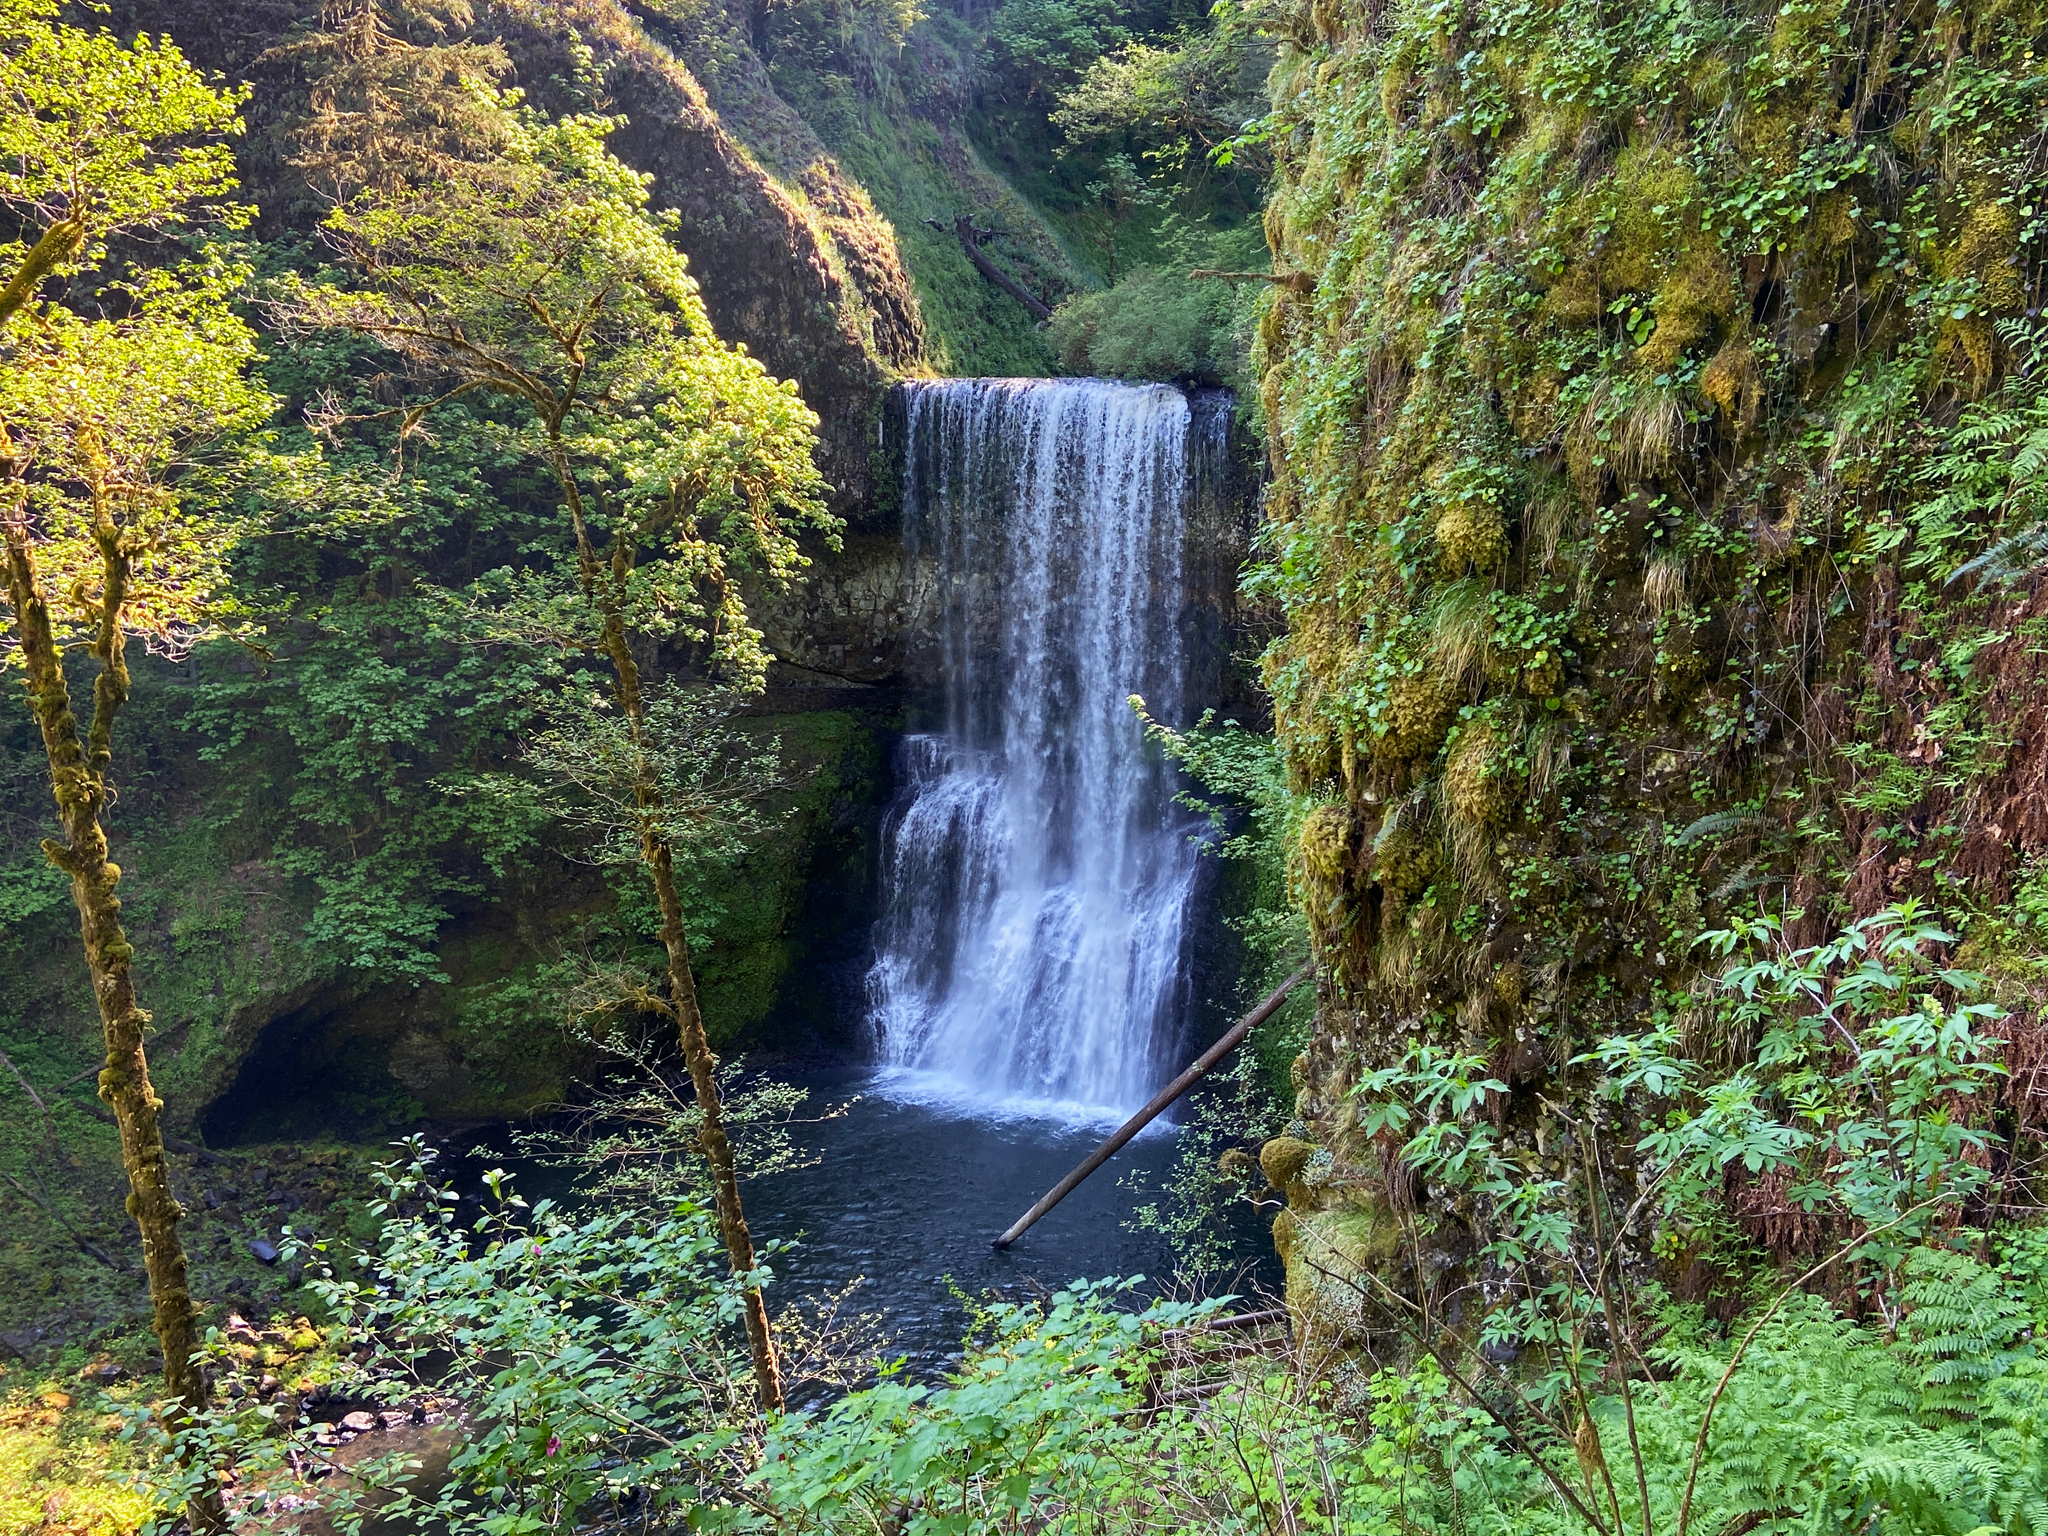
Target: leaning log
pixel 970 241
pixel 1160 1100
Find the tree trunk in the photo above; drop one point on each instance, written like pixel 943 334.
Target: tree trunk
pixel 600 588
pixel 970 241
pixel 732 1218
pixel 78 776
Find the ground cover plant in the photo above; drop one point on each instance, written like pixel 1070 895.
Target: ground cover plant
pixel 1568 1389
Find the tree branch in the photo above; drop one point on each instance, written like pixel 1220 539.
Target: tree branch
pixel 1293 282
pixel 56 246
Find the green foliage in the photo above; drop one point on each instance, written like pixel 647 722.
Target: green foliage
pixel 116 395
pixel 1866 1161
pixel 1991 471
pixel 602 1360
pixel 713 779
pixel 1850 1080
pixel 1963 1327
pixel 634 1147
pixel 1239 783
pixel 1051 44
pixel 595 1350
pixel 1158 323
pixel 27 891
pixel 537 274
pixel 368 745
pixel 1115 125
pixel 1180 101
pixel 111 419
pixel 1037 1415
pixel 104 138
pixel 1887 1143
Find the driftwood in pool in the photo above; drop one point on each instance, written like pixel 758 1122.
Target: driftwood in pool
pixel 1160 1100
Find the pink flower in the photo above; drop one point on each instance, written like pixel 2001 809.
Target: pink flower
pixel 554 1444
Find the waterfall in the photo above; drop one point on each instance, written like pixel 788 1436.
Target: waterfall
pixel 1037 874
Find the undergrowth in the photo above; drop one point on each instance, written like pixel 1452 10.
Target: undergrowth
pixel 59 1461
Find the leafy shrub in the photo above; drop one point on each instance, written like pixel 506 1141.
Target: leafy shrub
pixel 1157 323
pixel 1047 44
pixel 597 1357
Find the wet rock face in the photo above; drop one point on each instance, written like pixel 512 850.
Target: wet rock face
pixel 865 617
pixel 873 614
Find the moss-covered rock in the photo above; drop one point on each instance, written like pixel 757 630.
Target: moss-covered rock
pixel 1283 1158
pixel 1651 389
pixel 1329 1258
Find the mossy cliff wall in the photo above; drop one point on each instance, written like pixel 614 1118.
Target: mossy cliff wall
pixel 865 119
pixel 1642 380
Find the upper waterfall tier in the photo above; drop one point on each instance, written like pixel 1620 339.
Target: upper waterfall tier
pixel 1037 874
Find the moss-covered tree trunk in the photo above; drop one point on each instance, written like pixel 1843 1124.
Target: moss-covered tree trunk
pixel 732 1216
pixel 603 588
pixel 78 776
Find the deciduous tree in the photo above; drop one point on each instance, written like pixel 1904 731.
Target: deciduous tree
pixel 111 397
pixel 525 264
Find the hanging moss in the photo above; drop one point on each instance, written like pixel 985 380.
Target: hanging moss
pixel 1470 536
pixel 1475 777
pixel 1621 436
pixel 1405 860
pixel 1418 712
pixel 1325 854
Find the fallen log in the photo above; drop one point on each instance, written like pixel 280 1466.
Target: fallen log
pixel 1160 1100
pixel 970 241
pixel 1221 1324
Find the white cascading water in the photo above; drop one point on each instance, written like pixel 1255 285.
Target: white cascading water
pixel 1037 874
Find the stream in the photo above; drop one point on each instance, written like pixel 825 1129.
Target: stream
pixel 905 1195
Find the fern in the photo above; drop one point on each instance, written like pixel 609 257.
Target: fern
pixel 1961 1329
pixel 2010 558
pixel 1993 471
pixel 1717 823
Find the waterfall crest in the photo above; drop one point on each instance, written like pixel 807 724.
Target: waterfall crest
pixel 1037 875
